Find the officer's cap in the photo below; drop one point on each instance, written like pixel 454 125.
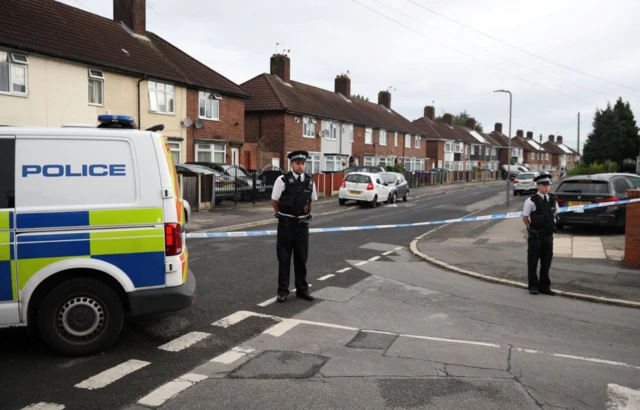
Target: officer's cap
pixel 298 156
pixel 543 179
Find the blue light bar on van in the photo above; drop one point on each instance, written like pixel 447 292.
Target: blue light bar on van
pixel 116 121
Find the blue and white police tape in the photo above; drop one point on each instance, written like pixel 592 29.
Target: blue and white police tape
pixel 574 208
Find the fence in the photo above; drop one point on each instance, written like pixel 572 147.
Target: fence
pixel 198 188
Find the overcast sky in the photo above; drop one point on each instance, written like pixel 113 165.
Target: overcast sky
pixel 434 59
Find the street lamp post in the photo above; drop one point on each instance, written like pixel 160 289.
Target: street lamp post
pixel 509 148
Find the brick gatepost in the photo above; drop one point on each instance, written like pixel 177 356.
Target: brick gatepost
pixel 632 231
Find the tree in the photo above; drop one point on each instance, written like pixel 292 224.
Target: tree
pixel 461 119
pixel 631 144
pixel 607 139
pixel 359 97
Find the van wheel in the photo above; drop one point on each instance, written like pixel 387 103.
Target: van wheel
pixel 80 317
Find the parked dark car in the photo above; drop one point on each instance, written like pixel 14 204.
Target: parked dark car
pixel 224 183
pixel 588 189
pixel 243 178
pixel 400 184
pixel 374 169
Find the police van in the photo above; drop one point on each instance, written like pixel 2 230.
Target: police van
pixel 91 229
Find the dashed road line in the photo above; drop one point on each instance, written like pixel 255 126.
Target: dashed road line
pixel 111 375
pixel 184 341
pixel 375 258
pixel 361 263
pixel 343 270
pixel 168 390
pixel 388 253
pixel 440 339
pixel 325 277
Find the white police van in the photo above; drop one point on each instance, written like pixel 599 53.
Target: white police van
pixel 91 228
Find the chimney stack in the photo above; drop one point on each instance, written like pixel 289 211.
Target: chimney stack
pixel 530 135
pixel 471 123
pixel 551 138
pixel 430 112
pixel 559 139
pixel 520 133
pixel 133 13
pixel 342 85
pixel 384 98
pixel 281 66
pixel 498 127
pixel 448 119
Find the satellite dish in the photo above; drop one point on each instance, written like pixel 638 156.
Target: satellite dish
pixel 199 123
pixel 187 122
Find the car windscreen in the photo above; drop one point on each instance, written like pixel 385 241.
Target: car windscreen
pixel 357 178
pixel 526 176
pixel 390 179
pixel 584 187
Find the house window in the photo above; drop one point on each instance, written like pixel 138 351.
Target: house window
pixel 546 156
pixel 417 141
pixel 448 147
pixel 458 147
pixel 383 137
pixel 13 73
pixel 214 152
pixel 407 141
pixel 369 161
pixel 333 130
pixel 408 163
pixel 473 150
pixel 209 105
pixel 494 151
pixel 349 130
pixel 514 152
pixel 96 87
pixel 176 152
pixel 333 163
pixel 313 163
pixel 161 98
pixel 384 161
pixel 447 165
pixel 368 136
pixel 395 139
pixel 308 127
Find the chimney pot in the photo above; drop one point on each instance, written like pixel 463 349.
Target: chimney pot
pixel 498 127
pixel 133 13
pixel 384 98
pixel 430 112
pixel 519 133
pixel 559 139
pixel 471 123
pixel 530 135
pixel 551 138
pixel 448 119
pixel 281 66
pixel 342 85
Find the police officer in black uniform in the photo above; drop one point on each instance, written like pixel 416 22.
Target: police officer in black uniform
pixel 292 197
pixel 539 215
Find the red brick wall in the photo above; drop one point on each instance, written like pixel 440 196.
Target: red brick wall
pixel 231 112
pixel 632 231
pixel 435 153
pixel 294 139
pixel 265 135
pixel 359 148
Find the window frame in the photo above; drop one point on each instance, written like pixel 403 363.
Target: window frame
pixel 395 139
pixel 417 141
pixel 335 160
pixel 8 169
pixel 178 150
pixel 165 92
pixel 368 132
pixel 11 62
pixel 407 140
pixel 213 97
pixel 212 151
pixel 100 80
pixel 308 125
pixel 382 133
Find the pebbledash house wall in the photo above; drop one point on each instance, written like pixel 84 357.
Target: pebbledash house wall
pixel 229 129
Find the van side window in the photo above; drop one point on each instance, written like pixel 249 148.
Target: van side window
pixel 7 173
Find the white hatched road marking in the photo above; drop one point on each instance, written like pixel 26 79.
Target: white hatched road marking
pixel 281 328
pixel 325 277
pixel 361 263
pixel 44 406
pixel 270 301
pixel 387 253
pixel 184 341
pixel 375 258
pixel 168 390
pixel 343 270
pixel 232 355
pixel 399 248
pixel 622 398
pixel 109 376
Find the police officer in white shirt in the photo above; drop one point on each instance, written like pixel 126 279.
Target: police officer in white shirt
pixel 292 197
pixel 539 215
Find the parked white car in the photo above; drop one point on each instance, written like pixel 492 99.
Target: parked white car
pixel 524 183
pixel 364 187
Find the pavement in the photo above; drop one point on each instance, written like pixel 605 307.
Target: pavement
pixel 586 261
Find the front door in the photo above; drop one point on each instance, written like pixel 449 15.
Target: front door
pixel 235 156
pixel 8 274
pixel 275 163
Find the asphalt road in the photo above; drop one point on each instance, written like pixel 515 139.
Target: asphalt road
pixel 232 274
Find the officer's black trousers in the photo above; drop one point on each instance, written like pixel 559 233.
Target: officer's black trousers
pixel 540 248
pixel 293 236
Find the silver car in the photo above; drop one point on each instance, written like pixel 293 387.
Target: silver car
pixel 399 185
pixel 524 183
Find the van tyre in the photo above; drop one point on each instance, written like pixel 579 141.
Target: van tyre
pixel 80 317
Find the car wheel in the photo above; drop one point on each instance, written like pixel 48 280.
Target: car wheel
pixel 406 196
pixel 388 201
pixel 559 227
pixel 218 201
pixel 342 201
pixel 81 316
pixel 395 198
pixel 515 193
pixel 374 203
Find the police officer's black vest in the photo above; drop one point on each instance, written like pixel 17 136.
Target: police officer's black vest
pixel 543 218
pixel 296 196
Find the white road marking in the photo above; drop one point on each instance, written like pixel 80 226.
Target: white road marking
pixel 375 258
pixel 439 339
pixel 399 248
pixel 281 328
pixel 168 390
pixel 361 263
pixel 327 277
pixel 387 253
pixel 622 398
pixel 585 359
pixel 232 355
pixel 343 270
pixel 237 317
pixel 44 406
pixel 109 376
pixel 380 332
pixel 323 324
pixel 184 341
pixel 243 349
pixel 267 302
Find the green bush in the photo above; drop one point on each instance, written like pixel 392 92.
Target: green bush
pixel 594 168
pixel 399 167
